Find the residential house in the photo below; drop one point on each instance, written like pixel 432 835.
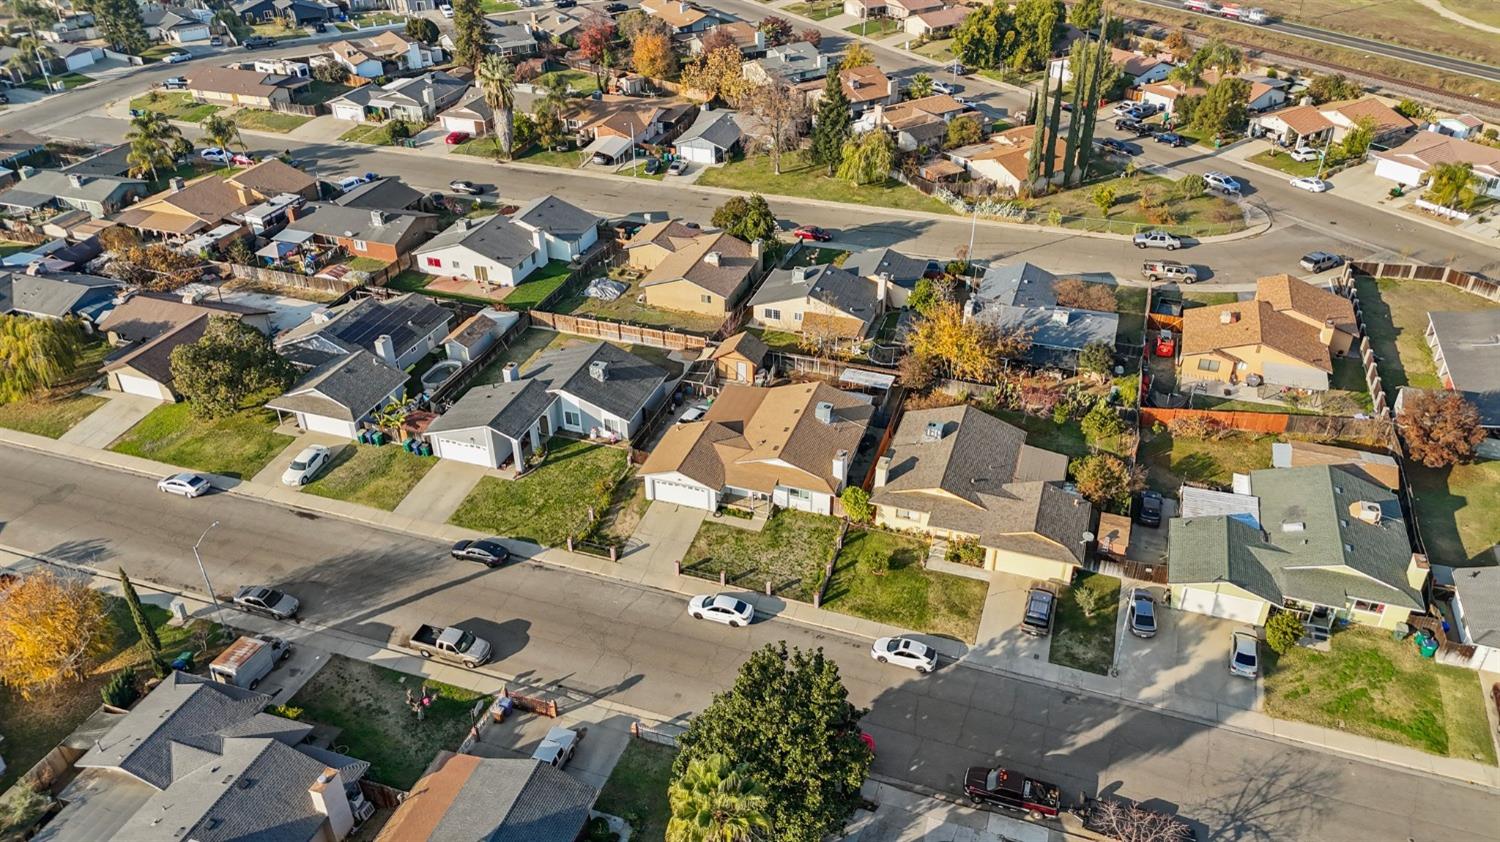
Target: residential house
pixel 1266 93
pixel 863 9
pixel 196 759
pixel 653 242
pixel 510 40
pixel 1473 600
pixel 786 446
pixel 399 331
pixel 185 209
pixel 713 138
pixel 900 272
pixel 1300 125
pixel 57 295
pixel 146 327
pixel 1165 95
pixel 939 22
pixel 1287 335
pixel 1378 468
pixel 615 124
pixel 468 797
pixel 788 64
pixel 824 303
pixel 745 35
pixel 1408 163
pixel 1389 126
pixel 866 87
pixel 707 273
pixel 41 191
pixel 112 161
pixel 76 57
pixel 1020 299
pixel 902 9
pixel 415 99
pixel 960 474
pixel 389 193
pixel 1466 350
pixel 1320 541
pixel 382 55
pixel 247 88
pixel 917 123
pixel 1005 159
pixel 374 233
pixel 1461 126
pixel 1140 69
pixel 740 359
pixel 567 231
pixel 472 116
pixel 504 250
pixel 595 389
pixel 17 145
pixel 70 29
pixel 683 17
pixel 343 394
pixel 175 24
pixel 301 12
pixel 554 25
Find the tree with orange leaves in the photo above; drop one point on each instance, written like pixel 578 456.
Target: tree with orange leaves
pixel 51 631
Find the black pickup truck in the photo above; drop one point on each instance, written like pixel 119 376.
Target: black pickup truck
pixel 1012 791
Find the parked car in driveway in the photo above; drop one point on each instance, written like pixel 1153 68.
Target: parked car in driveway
pixel 1142 613
pixel 217 155
pixel 813 233
pixel 1156 240
pixel 306 465
pixel 186 485
pixel 487 551
pixel 1148 510
pixel 267 602
pixel 905 652
pixel 1320 261
pixel 1041 606
pixel 455 138
pixel 1118 147
pixel 446 10
pixel 652 166
pixel 557 747
pixel 1304 153
pixel 1244 655
pixel 1311 184
pixel 677 167
pixel 721 608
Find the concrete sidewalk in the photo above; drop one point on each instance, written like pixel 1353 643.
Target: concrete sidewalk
pixel 1217 713
pixel 903 816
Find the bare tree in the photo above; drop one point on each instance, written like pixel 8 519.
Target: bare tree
pixel 781 114
pixel 1131 823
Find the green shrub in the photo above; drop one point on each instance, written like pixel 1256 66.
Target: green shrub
pixel 966 552
pixel 856 502
pixel 285 711
pixel 1283 631
pixel 1095 593
pixel 121 691
pixel 598 831
pixel 1102 422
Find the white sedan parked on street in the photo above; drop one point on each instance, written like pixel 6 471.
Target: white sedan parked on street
pixel 905 652
pixel 313 458
pixel 721 608
pixel 188 485
pixel 1310 184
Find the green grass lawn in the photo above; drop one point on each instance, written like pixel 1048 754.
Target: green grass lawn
pixel 549 503
pixel 365 264
pixel 779 340
pixel 1196 298
pixel 907 595
pixel 368 705
pixel 370 475
pixel 61 408
pixel 537 286
pixel 237 446
pixel 35 726
pixel 1396 317
pixel 874 27
pixel 1372 685
pixel 1064 438
pixel 637 790
pixel 1083 642
pixel 626 309
pixel 1169 460
pixel 627 505
pixel 1130 304
pixel 377 134
pixel 817 9
pixel 1204 215
pixel 495 7
pixel 579 82
pixel 69 81
pixel 261 120
pixel 1458 511
pixel 816 256
pixel 803 179
pixel 941 49
pixel 1283 162
pixel 790 551
pixel 175 106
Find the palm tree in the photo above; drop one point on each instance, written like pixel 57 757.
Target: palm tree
pixel 222 132
pixel 153 143
pixel 496 77
pixel 921 86
pixel 30 53
pixel 1452 185
pixel 716 802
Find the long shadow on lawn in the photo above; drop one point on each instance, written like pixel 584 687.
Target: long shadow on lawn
pixel 1377 314
pixel 1437 505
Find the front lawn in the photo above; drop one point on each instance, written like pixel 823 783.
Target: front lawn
pixel 941 49
pixel 1284 163
pixel 816 9
pixel 907 595
pixel 807 180
pixel 69 81
pixel 61 408
pixel 537 286
pixel 1170 460
pixel 790 551
pixel 1372 685
pixel 1395 314
pixel 874 27
pixel 549 503
pixel 367 704
pixel 1458 510
pixel 816 256
pixel 237 446
pixel 1078 640
pixel 627 505
pixel 637 789
pixel 1204 215
pixel 626 309
pixel 495 7
pixel 376 134
pixel 261 120
pixel 175 106
pixel 370 475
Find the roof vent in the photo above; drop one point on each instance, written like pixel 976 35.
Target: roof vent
pixel 377 217
pixel 1229 317
pixel 824 412
pixel 1293 526
pixel 713 258
pixel 1365 511
pixel 599 370
pixel 1061 317
pixel 934 431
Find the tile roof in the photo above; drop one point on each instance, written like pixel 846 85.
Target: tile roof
pixel 865 83
pixel 717 262
pixel 1302 119
pixel 346 388
pixel 493 800
pixel 1427 149
pixel 1244 323
pixel 628 385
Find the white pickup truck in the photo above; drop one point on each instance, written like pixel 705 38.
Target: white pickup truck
pixel 451 644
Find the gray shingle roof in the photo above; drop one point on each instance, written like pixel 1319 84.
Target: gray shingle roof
pixel 347 388
pixel 59 185
pixel 629 381
pixel 507 408
pixel 853 294
pixel 517 801
pixel 496 238
pixel 1479 593
pixel 556 217
pixel 1019 284
pixel 383 193
pixel 1057 328
pixel 1470 341
pixel 331 220
pixel 54 295
pixel 904 271
pixel 716 128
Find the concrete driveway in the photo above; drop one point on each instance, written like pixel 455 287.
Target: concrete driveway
pixel 1150 545
pixel 1000 634
pixel 271 473
pixel 1187 660
pixel 605 735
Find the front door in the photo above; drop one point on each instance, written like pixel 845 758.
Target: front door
pixel 742 371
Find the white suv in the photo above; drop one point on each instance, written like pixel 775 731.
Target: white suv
pixel 1304 153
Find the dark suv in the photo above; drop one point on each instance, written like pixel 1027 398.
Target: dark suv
pixel 1041 605
pixel 255 42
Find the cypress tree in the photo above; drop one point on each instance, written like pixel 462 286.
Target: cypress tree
pixel 1049 164
pixel 832 124
pixel 138 614
pixel 1086 134
pixel 1038 137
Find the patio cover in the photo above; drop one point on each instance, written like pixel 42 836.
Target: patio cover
pixel 612 146
pixel 868 379
pixel 275 250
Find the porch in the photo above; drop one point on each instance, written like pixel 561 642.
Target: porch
pixel 1318 620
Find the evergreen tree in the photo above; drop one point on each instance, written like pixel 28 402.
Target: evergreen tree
pixel 1091 115
pixel 469 33
pixel 138 614
pixel 831 126
pixel 120 24
pixel 1038 136
pixel 1049 155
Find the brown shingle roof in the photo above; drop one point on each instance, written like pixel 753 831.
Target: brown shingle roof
pixel 744 343
pixel 1303 119
pixel 695 262
pixel 273 176
pixel 1286 293
pixel 865 83
pixel 1385 117
pixel 1206 330
pixel 232 80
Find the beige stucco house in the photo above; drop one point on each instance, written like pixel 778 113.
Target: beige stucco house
pixel 691 270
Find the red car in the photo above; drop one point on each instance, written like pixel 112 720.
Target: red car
pixel 1166 344
pixel 455 138
pixel 812 232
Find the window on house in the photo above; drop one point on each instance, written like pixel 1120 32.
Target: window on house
pixel 906 514
pixel 799 494
pixel 1369 607
pixel 796 317
pixel 1208 365
pixel 571 418
pixel 707 299
pixel 453 264
pixel 361 245
pixel 771 314
pixel 434 262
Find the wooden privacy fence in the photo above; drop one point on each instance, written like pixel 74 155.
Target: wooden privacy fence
pixel 293 280
pixel 619 331
pixel 1466 281
pixel 1255 422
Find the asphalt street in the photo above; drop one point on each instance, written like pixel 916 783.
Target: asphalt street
pixel 637 647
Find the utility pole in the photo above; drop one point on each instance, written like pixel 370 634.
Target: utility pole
pixel 218 611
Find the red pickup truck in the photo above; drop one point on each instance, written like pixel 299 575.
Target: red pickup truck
pixel 1012 791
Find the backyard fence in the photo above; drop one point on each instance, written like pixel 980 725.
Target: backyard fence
pixel 1253 422
pixel 833 557
pixel 455 385
pixel 665 733
pixel 317 283
pixel 382 796
pixel 619 331
pixel 1466 281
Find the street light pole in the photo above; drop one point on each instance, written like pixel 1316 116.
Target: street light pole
pixel 218 611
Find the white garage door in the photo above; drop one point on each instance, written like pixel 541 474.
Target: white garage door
pixel 143 386
pixel 331 426
pixel 462 451
pixel 1224 606
pixel 685 495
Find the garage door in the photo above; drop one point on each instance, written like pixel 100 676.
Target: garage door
pixel 331 426
pixel 143 386
pixel 462 451
pixel 1224 606
pixel 685 495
